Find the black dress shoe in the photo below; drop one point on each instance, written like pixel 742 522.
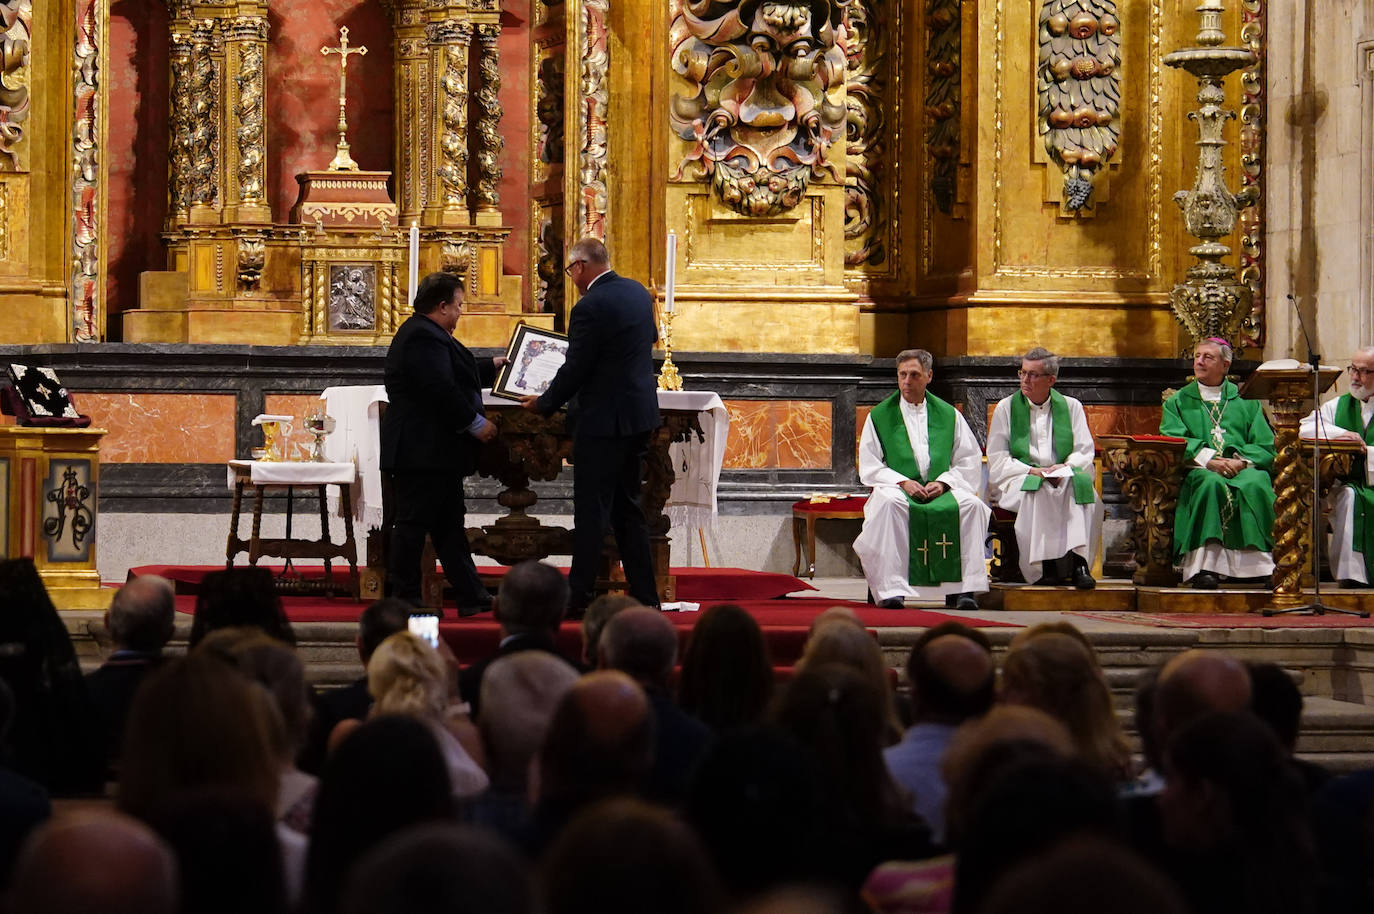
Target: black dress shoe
pixel 1080 577
pixel 891 603
pixel 1049 575
pixel 966 602
pixel 466 611
pixel 1351 584
pixel 1203 580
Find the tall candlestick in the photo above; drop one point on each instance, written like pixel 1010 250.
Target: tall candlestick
pixel 414 260
pixel 670 279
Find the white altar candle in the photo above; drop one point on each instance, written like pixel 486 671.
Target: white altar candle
pixel 670 279
pixel 414 260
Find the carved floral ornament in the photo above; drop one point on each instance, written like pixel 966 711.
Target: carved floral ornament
pixel 1079 87
pixel 16 29
pixel 768 104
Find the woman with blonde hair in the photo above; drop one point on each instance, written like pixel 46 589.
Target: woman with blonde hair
pixel 842 639
pixel 1056 674
pixel 408 677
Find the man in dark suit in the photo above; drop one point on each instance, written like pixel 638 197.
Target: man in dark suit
pixel 610 372
pixel 141 619
pixel 431 433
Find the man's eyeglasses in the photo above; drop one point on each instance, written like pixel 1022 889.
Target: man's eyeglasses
pixel 568 268
pixel 1357 370
pixel 1023 374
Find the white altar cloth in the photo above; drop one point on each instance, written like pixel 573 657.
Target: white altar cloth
pixel 292 472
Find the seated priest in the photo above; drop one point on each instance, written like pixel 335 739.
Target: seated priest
pixel 1225 518
pixel 1351 502
pixel 924 525
pixel 1040 465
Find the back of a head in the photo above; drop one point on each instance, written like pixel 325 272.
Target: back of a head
pixel 1195 683
pixel 624 856
pixel 520 693
pixel 1056 674
pixel 406 676
pixel 532 597
pixel 952 679
pixel 385 776
pixel 440 869
pixel 599 742
pixel 276 667
pixel 1058 627
pixel 1276 700
pixel 95 863
pixel 142 614
pixel 599 612
pixel 197 723
pixel 642 644
pixel 380 621
pixel 1083 876
pixel 727 675
pixel 240 596
pixel 849 644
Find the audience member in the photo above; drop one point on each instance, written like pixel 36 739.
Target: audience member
pixel 1057 627
pixel 95 863
pixel 755 802
pixel 24 803
pixel 839 715
pixel 378 622
pixel 1343 828
pixel 1150 780
pixel 952 681
pixel 275 666
pixel 1276 700
pixel 797 899
pixel 624 856
pixel 406 676
pixel 529 606
pixel 440 869
pixel 599 612
pixel 1194 683
pixel 240 596
pixel 642 644
pixel 521 693
pixel 141 619
pixel 847 642
pixel 54 738
pixel 1234 818
pixel 1084 876
pixel 386 776
pixel 1056 674
pixel 1052 799
pixel 727 676
pixel 600 743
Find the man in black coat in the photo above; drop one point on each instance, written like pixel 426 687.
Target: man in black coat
pixel 431 433
pixel 610 372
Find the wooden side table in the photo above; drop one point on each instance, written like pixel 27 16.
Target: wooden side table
pixel 260 476
pixel 804 517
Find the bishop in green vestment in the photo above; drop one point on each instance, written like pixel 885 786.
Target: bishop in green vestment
pixel 1350 505
pixel 1223 526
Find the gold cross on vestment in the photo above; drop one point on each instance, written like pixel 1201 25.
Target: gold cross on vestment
pixel 924 549
pixel 342 160
pixel 944 543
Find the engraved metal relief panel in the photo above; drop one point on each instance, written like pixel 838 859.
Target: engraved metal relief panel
pixel 352 296
pixel 764 105
pixel 16 33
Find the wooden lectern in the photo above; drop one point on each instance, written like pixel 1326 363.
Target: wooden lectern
pixel 1290 393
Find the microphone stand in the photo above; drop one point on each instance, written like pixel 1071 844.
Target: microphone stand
pixel 1316 533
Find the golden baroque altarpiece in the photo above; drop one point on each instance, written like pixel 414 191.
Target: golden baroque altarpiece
pixel 844 176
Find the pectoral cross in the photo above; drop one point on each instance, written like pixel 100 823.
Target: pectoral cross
pixel 944 543
pixel 1218 437
pixel 924 549
pixel 342 160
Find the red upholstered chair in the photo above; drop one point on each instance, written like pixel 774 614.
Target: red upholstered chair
pixel 806 512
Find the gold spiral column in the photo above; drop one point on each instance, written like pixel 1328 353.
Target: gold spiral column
pixel 245 153
pixel 489 142
pixel 179 168
pixel 206 41
pixel 450 44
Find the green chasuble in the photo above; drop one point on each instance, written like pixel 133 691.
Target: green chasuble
pixel 1238 513
pixel 933 527
pixel 1018 444
pixel 1362 531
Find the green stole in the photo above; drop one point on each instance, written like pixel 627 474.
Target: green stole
pixel 1019 444
pixel 933 527
pixel 1362 531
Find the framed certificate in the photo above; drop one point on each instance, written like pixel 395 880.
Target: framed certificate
pixel 534 357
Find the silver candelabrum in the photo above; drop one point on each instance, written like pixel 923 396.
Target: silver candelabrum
pixel 1212 302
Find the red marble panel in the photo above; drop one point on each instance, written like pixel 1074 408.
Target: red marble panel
pixel 802 434
pixel 750 443
pixel 1123 419
pixel 299 442
pixel 162 428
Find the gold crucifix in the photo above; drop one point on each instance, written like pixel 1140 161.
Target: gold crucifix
pixel 944 543
pixel 924 549
pixel 342 160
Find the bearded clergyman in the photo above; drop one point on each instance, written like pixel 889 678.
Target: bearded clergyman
pixel 924 524
pixel 1040 466
pixel 1350 504
pixel 1223 526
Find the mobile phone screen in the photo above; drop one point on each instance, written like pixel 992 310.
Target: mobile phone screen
pixel 426 626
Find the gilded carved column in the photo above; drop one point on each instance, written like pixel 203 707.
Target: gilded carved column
pixel 587 181
pixel 205 110
pixel 180 170
pixel 87 169
pixel 450 43
pixel 489 142
pixel 245 153
pixel 414 111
